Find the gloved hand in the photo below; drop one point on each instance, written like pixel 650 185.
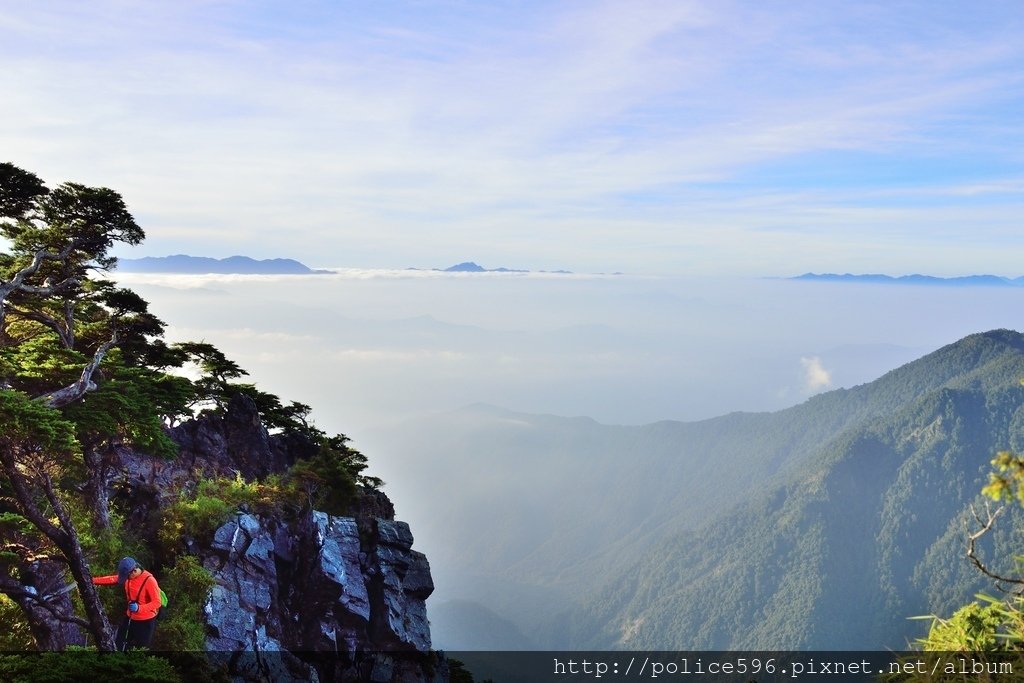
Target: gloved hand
pixel 133 606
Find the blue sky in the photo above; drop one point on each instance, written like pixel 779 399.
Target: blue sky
pixel 760 138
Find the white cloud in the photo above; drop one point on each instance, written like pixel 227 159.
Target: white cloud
pixel 815 377
pixel 367 135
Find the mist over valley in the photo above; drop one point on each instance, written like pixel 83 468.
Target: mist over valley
pixel 548 436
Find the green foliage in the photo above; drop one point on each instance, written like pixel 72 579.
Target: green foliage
pixel 182 628
pixel 14 632
pixel 213 386
pixel 13 523
pixel 213 363
pixel 849 535
pixel 275 415
pixel 81 664
pixel 329 480
pixel 40 363
pixel 214 389
pixel 19 190
pixel 996 624
pixel 198 513
pixel 30 424
pixel 196 518
pixel 992 624
pixel 69 339
pixel 1006 483
pixel 127 406
pixel 105 548
pixel 89 218
pixel 975 627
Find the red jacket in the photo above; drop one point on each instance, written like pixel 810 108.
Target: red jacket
pixel 148 593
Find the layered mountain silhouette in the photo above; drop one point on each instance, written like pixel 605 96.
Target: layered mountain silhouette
pixel 823 526
pixel 916 279
pixel 473 267
pixel 242 265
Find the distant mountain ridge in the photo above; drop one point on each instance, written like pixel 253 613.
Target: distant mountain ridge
pixel 232 265
pixel 916 279
pixel 472 267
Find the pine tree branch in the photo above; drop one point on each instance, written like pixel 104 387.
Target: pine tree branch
pixel 63 332
pixel 26 500
pixel 73 392
pixel 18 281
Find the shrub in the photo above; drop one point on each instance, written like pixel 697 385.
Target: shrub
pixel 82 664
pixel 996 625
pixel 213 502
pixel 329 480
pixel 181 627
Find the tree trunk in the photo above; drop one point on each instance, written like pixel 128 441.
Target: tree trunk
pixel 96 488
pixel 62 534
pixel 71 548
pixel 50 632
pixel 99 625
pixel 18 281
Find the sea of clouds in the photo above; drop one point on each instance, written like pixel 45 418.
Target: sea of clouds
pixel 367 347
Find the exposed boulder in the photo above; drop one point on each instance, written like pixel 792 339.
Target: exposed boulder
pixel 318 586
pixel 243 613
pixel 400 583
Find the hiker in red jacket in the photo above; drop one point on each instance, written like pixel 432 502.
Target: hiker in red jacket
pixel 143 595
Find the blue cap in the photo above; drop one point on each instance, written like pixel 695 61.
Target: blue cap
pixel 124 568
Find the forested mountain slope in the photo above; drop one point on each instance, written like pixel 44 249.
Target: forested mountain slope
pixel 676 508
pixel 867 533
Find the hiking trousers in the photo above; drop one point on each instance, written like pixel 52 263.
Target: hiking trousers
pixel 134 633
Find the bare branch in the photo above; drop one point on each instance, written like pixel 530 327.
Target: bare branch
pixel 986 525
pixel 69 324
pixel 15 590
pixel 23 551
pixel 65 335
pixel 47 290
pixel 18 281
pixel 73 392
pixel 26 501
pixel 58 507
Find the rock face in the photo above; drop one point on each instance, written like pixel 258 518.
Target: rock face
pixel 353 588
pixel 236 442
pixel 319 597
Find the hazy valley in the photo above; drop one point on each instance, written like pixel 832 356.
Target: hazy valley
pixel 548 531
pixel 823 526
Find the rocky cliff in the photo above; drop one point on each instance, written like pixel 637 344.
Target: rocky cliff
pixel 303 597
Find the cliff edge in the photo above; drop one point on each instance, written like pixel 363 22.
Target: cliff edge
pixel 306 596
